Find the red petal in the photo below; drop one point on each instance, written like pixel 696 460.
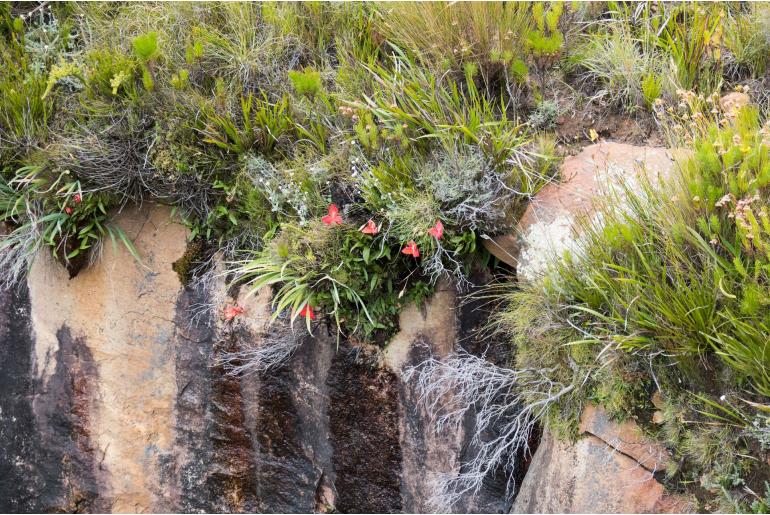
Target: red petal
pixel 333 217
pixel 411 249
pixel 369 228
pixel 232 311
pixel 437 231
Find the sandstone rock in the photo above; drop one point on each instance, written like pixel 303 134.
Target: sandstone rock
pixel 590 476
pixel 114 323
pixel 626 437
pixel 504 247
pixel 113 399
pixel 547 227
pixel 612 468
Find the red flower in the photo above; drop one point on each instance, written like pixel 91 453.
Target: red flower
pixel 411 249
pixel 307 312
pixel 369 228
pixel 437 231
pixel 77 198
pixel 232 312
pixel 68 210
pixel 333 217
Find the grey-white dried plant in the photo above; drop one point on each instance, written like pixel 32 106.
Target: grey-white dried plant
pixel 506 405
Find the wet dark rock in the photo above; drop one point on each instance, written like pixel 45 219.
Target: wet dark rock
pixel 48 461
pixel 63 410
pixel 20 480
pixel 293 450
pixel 363 422
pixel 193 420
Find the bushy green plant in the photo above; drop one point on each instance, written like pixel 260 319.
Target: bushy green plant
pixel 545 41
pixel 626 72
pixel 306 82
pixel 652 87
pixel 544 115
pixel 53 210
pixel 747 43
pixel 260 125
pixel 337 271
pixel 692 39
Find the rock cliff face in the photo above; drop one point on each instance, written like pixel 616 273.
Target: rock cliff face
pixel 113 400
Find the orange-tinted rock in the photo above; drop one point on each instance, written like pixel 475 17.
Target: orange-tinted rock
pixel 590 476
pixel 504 247
pixel 547 227
pixel 625 437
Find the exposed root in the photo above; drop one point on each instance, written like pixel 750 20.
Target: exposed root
pixel 506 406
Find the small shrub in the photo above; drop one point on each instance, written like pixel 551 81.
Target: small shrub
pixel 652 87
pixel 747 43
pixel 544 116
pixel 306 82
pixel 146 46
pixel 692 39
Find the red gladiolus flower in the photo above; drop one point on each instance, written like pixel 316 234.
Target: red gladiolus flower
pixel 77 198
pixel 411 249
pixel 333 217
pixel 232 312
pixel 437 231
pixel 68 210
pixel 369 228
pixel 307 312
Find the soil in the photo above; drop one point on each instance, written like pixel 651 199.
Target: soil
pixel 578 116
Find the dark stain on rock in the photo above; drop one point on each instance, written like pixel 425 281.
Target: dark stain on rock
pixel 256 443
pixel 216 468
pixel 233 471
pixel 364 427
pixel 20 480
pixel 416 436
pixel 285 483
pixel 293 451
pixel 475 336
pixel 474 333
pixel 63 407
pixel 192 340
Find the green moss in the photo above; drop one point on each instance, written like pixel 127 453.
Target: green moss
pixel 185 265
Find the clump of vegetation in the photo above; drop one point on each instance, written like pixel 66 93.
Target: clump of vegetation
pixel 638 53
pixel 667 293
pixel 545 114
pixel 623 68
pixel 451 36
pixel 232 114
